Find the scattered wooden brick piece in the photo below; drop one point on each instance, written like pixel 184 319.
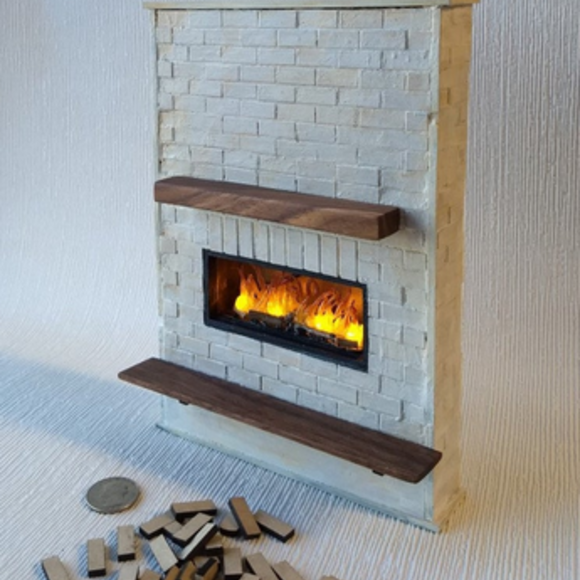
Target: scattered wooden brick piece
pixel 197 544
pixel 155 526
pixel 260 566
pixel 128 572
pixel 54 569
pixel 284 571
pixel 186 533
pixel 273 526
pixel 172 573
pixel 163 553
pixel 96 558
pixel 244 517
pixel 247 576
pixel 209 570
pixel 229 527
pixel 187 571
pixel 214 546
pixel 125 543
pixel 149 575
pixel 188 509
pixel 172 528
pixel 233 568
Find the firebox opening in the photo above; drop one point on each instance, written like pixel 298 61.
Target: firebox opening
pixel 312 313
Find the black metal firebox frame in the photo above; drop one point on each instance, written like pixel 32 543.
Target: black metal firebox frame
pixel 304 345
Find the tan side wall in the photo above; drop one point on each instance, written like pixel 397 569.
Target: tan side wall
pixel 455 54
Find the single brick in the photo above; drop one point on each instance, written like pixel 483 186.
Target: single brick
pixel 381 404
pixel 257 74
pixel 316 57
pixel 316 95
pixel 338 39
pixel 277 93
pixel 337 390
pixel 318 18
pixel 296 37
pixel 295 75
pixel 329 255
pixel 385 39
pixel 276 56
pixel 361 19
pixel 279 389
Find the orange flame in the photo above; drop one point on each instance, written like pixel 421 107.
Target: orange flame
pixel 334 312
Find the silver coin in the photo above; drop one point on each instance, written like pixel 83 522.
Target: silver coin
pixel 112 495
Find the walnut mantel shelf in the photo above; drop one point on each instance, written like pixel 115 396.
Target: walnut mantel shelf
pixel 336 216
pixel 377 451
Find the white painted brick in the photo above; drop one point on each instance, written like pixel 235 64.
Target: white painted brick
pixel 200 54
pixel 329 255
pixel 357 192
pixel 419 40
pixel 337 390
pixel 280 56
pixel 276 180
pixel 382 404
pixel 260 144
pixel 223 72
pixel 368 272
pixel 279 390
pixel 190 103
pixel 337 77
pixel 336 153
pixel 318 403
pixel 359 379
pixel 382 79
pixel 381 156
pixel 164 69
pixel 281 355
pixel 189 70
pixel 166 134
pixel 298 378
pixel 257 109
pixel 316 57
pixel 246 238
pixel 338 39
pixel 347 258
pixel 206 155
pixel 277 245
pixel 409 18
pixel 177 263
pixel 414 413
pixel 174 86
pixel 296 113
pixel 359 59
pixel 261 366
pixel 324 187
pixel 172 151
pixel 361 19
pixel 416 161
pixel 244 344
pixel 217 106
pixel 285 130
pixel 240 125
pixel 187 248
pixel 205 88
pixel 404 430
pixel 272 163
pixel 337 115
pixel 359 97
pixel 414 182
pixel 188 36
pixel 311 251
pixel 359 175
pixel 215 232
pixel 296 37
pixel 278 19
pixel 295 75
pixel 241 158
pixel 167 246
pixel 294 257
pixel 169 339
pixel 315 133
pixel 239 54
pixel 415 261
pixel 239 18
pixel 359 416
pixel 230 235
pixel 262 241
pixel 382 119
pixel 210 367
pixel 170 309
pixel 386 39
pixel 416 121
pixel 237 175
pixel 206 171
pixel 226 355
pixel 414 337
pixel 171 18
pixel 408 59
pixel 223 36
pixel 277 93
pixel 163 35
pixel 258 37
pixel 406 101
pixel 317 169
pixel 179 357
pixel 316 95
pixel 172 52
pixel 417 81
pixel 194 345
pixel 318 18
pixel 257 74
pixel 390 330
pixel 245 378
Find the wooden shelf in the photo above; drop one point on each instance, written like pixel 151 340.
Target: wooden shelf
pixel 336 216
pixel 379 452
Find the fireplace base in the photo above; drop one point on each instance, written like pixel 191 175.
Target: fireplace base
pixel 303 463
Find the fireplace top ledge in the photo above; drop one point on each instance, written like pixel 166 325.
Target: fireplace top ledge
pixel 300 4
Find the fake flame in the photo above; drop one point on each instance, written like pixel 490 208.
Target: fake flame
pixel 333 312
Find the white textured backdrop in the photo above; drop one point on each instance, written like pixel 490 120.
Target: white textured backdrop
pixel 77 304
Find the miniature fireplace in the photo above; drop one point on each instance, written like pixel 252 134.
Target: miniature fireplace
pixel 303 311
pixel 310 254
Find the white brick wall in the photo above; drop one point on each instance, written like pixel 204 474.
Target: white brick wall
pixel 327 102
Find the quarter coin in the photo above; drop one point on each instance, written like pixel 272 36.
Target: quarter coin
pixel 112 495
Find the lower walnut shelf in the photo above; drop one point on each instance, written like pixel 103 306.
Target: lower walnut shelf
pixel 382 453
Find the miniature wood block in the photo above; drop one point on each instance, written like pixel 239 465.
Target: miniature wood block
pixel 197 544
pixel 244 517
pixel 155 526
pixel 233 565
pixel 337 216
pixel 214 546
pixel 189 509
pixel 172 574
pixel 163 553
pixel 260 566
pixel 172 528
pixel 54 569
pixel 149 575
pixel 185 535
pixel 379 452
pixel 187 571
pixel 229 526
pixel 125 543
pixel 284 571
pixel 128 572
pixel 209 570
pixel 273 526
pixel 96 558
pixel 247 576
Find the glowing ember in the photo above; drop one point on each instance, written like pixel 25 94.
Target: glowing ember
pixel 333 313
